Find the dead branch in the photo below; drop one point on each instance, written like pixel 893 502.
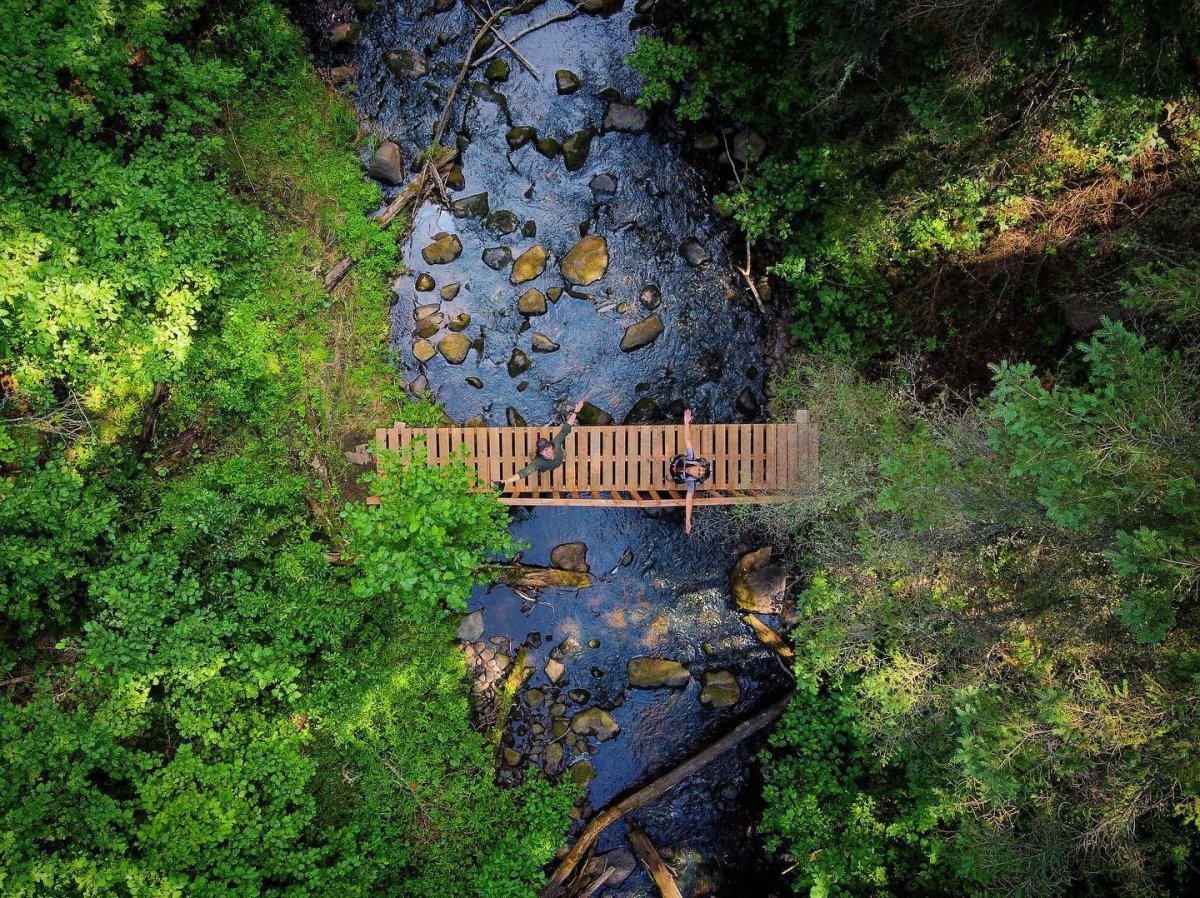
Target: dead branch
pixel 337 273
pixel 662 875
pixel 561 17
pixel 769 637
pixel 468 63
pixel 533 577
pixel 745 272
pixel 520 57
pixel 647 795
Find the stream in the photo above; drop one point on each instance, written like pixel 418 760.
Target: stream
pixel 656 592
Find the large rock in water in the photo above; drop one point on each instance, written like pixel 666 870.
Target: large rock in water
pixel 595 722
pixel 471 627
pixel 474 206
pixel 529 264
pixel 644 411
pixel 593 416
pixel 566 82
pixel 575 149
pixel 454 348
pixel 570 557
pixel 757 583
pixel 586 262
pixel 625 119
pixel 642 334
pixel 719 689
pixel 387 165
pixel 655 673
pixel 444 250
pixel 532 302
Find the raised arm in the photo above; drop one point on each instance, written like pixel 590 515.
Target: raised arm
pixel 687 437
pixel 687 513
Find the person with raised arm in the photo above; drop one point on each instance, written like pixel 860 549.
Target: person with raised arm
pixel 690 470
pixel 550 453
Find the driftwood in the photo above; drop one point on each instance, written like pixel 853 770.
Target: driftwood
pixel 517 54
pixel 533 577
pixel 468 63
pixel 411 194
pixel 647 795
pixel 561 17
pixel 337 273
pixel 769 637
pixel 654 864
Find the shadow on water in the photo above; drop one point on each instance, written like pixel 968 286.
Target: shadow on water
pixel 671 598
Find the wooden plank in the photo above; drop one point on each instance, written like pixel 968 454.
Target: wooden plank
pixel 771 472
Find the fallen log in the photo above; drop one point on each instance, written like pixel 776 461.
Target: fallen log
pixel 533 577
pixel 411 194
pixel 769 637
pixel 337 273
pixel 654 864
pixel 647 795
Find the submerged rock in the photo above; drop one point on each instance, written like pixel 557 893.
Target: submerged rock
pixel 586 262
pixel 343 35
pixel 570 557
pixel 514 418
pixel 471 627
pixel 425 282
pixel 693 252
pixel 566 82
pixel 604 184
pixel 719 689
pixel 582 772
pixel 575 149
pixel 593 416
pixel 460 322
pixel 532 302
pixel 405 64
pixel 529 229
pixel 454 348
pixel 449 291
pixel 501 221
pixel 542 343
pixel 548 147
pixel 707 143
pixel 625 119
pixel 497 71
pixel 757 583
pixel 518 363
pixel 529 264
pixel 747 403
pixel 644 411
pixel 519 136
pixel 386 164
pixel 476 382
pixel 497 258
pixel 655 673
pixel 473 206
pixel 444 250
pixel 423 351
pixel 643 333
pixel 595 722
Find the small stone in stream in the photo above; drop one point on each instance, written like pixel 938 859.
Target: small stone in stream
pixel 576 148
pixel 748 146
pixel 514 418
pixel 626 558
pixel 423 351
pixel 471 627
pixel 553 757
pixel 747 403
pixel 425 282
pixel 693 252
pixel 594 416
pixel 476 382
pixel 534 698
pixel 650 297
pixel 454 348
pixel 558 709
pixel 582 772
pixel 625 119
pixel 529 264
pixel 485 43
pixel 554 293
pixel 548 147
pixel 523 386
pixel 473 206
pixel 719 689
pixel 455 179
pixel 542 343
pixel 554 671
pixel 595 722
pixel 512 757
pixel 343 35
pixel 519 136
pixel 566 82
pixel 586 262
pixel 655 673
pixel 364 7
pixel 426 310
pixel 497 71
pixel 622 308
pixel 341 74
pixel 449 291
pixel 501 222
pixel 405 64
pixel 497 258
pixel 419 386
pixel 709 649
pixel 603 184
pixel 460 322
pixel 518 363
pixel 707 143
pixel 579 696
pixel 757 583
pixel 429 325
pixel 593 643
pixel 386 163
pixel 644 411
pixel 643 333
pixel 532 302
pixel 534 640
pixel 444 250
pixel 529 229
pixel 570 557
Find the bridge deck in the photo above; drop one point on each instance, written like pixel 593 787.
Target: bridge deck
pixel 627 465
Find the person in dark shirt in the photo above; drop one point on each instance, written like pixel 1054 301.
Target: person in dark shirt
pixel 549 452
pixel 688 469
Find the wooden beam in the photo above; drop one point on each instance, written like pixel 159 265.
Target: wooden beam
pixel 662 875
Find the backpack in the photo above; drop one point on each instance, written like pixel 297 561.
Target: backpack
pixel 680 462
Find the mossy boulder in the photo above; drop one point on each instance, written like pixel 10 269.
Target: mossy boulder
pixel 532 302
pixel 586 262
pixel 529 265
pixel 444 250
pixel 575 149
pixel 757 583
pixel 454 348
pixel 657 673
pixel 595 722
pixel 643 333
pixel 719 689
pixel 570 557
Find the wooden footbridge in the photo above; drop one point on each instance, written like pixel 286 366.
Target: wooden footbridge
pixel 627 465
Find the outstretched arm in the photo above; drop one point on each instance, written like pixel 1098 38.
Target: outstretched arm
pixel 687 513
pixel 687 430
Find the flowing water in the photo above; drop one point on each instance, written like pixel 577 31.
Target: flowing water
pixel 656 591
